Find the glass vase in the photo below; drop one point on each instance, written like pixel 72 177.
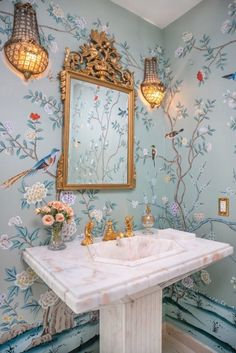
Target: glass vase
pixel 56 240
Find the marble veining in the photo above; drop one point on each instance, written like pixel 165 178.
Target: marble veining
pixel 84 284
pixel 134 251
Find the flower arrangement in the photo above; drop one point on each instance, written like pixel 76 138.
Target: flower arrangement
pixel 54 214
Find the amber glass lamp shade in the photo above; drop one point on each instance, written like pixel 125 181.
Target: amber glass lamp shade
pixel 152 88
pixel 23 50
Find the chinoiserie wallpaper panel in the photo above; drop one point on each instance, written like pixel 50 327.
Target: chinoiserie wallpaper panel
pixel 180 174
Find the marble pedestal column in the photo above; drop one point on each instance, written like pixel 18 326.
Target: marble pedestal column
pixel 133 326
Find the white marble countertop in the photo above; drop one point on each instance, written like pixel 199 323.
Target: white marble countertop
pixel 84 284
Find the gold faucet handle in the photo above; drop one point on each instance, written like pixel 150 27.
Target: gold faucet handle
pixel 120 235
pixel 88 237
pixel 129 226
pixel 109 233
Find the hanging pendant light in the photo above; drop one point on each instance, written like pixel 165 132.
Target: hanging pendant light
pixel 152 88
pixel 23 50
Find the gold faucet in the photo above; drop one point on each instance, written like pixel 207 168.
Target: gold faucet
pixel 109 233
pixel 129 226
pixel 88 238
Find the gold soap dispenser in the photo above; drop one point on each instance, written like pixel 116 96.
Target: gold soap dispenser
pixel 148 221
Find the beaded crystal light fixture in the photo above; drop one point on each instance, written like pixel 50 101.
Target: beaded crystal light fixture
pixel 152 88
pixel 23 50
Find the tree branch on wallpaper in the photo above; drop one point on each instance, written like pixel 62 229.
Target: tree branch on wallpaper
pixel 212 55
pixel 25 147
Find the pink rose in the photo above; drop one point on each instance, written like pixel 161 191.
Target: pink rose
pixel 48 220
pixel 69 211
pixel 57 205
pixel 60 217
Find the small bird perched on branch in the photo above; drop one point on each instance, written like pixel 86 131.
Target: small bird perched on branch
pixel 230 76
pixel 154 154
pixel 43 163
pixel 172 134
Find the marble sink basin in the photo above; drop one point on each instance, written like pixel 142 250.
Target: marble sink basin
pixel 133 251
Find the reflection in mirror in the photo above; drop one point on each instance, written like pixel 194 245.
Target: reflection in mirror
pixel 98 135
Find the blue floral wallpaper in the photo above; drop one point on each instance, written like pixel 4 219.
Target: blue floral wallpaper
pixel 184 156
pixel 201 46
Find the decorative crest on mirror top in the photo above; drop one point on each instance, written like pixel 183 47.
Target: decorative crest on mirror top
pixel 99 59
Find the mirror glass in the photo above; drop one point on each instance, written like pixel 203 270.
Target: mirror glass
pixel 98 134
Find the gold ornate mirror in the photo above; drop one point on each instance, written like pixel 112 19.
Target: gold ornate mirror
pixel 98 96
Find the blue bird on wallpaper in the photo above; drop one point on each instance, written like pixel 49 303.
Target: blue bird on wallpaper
pixel 43 163
pixel 230 76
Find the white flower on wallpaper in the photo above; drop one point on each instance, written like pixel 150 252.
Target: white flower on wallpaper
pixel 230 99
pixel 96 214
pixel 30 135
pixel 184 141
pixel 187 37
pixel 80 22
pixel 48 108
pixel 15 221
pixel 5 242
pixel 205 277
pixel 209 147
pixel 48 299
pixel 226 26
pixel 35 193
pixel 145 152
pixel 203 130
pixel 164 200
pixel 134 203
pixel 188 282
pixel 233 282
pixel 199 216
pixel 57 11
pixel 25 279
pixel 179 52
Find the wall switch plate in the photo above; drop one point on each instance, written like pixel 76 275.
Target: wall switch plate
pixel 223 206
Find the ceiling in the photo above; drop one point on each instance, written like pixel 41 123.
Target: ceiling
pixel 158 12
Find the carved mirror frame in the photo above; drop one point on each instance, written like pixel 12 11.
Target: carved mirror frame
pixel 97 62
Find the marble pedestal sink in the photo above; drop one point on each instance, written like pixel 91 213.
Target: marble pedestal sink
pixel 134 251
pixel 126 286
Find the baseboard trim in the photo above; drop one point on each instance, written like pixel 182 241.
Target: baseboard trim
pixel 184 339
